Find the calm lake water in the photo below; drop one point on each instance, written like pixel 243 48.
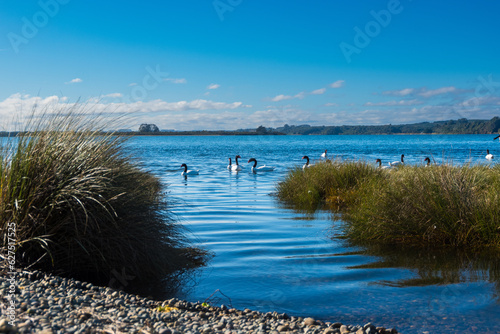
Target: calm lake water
pixel 270 258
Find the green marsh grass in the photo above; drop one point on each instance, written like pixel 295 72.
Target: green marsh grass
pixel 332 183
pixel 82 207
pixel 446 205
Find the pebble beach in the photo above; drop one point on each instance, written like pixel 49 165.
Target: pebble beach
pixel 46 304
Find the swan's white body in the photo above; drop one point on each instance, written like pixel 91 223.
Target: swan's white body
pixel 398 163
pixel 380 164
pixel 237 167
pixel 260 168
pixel 323 155
pixel 489 156
pixel 189 172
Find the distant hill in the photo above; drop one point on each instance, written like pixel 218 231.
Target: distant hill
pixel 461 126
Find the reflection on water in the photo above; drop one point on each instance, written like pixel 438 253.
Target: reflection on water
pixel 270 258
pixel 434 266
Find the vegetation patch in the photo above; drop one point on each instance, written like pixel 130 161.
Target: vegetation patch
pixel 84 209
pixel 448 205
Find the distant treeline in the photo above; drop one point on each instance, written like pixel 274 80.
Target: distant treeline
pixel 197 133
pixel 461 126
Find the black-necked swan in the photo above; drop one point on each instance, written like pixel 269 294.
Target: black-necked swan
pixel 307 162
pixel 489 156
pixel 428 161
pixel 380 164
pixel 323 155
pixel 237 167
pixel 189 172
pixel 260 168
pixel 229 166
pixel 497 137
pixel 398 163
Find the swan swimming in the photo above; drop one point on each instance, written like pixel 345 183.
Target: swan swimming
pixel 260 168
pixel 380 164
pixel 489 156
pixel 237 167
pixel 428 161
pixel 323 155
pixel 398 163
pixel 189 172
pixel 306 165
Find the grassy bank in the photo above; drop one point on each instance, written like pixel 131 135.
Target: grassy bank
pixel 456 205
pixel 84 209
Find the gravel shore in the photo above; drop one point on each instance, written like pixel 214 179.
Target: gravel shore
pixel 51 304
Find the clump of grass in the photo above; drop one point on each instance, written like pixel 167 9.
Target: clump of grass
pixel 83 208
pixel 446 204
pixel 437 205
pixel 331 183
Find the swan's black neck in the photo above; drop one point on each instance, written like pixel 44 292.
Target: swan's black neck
pixel 185 168
pixel 307 159
pixel 229 161
pixel 236 159
pixel 254 162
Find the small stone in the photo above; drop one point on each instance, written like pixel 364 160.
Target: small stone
pixel 309 322
pixel 360 331
pixel 4 326
pixel 329 331
pixel 344 329
pixel 283 328
pixel 164 330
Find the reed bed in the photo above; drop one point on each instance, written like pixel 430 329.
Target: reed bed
pixel 82 207
pixel 448 205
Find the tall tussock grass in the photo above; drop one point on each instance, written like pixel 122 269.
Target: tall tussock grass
pixel 332 183
pixel 446 205
pixel 83 208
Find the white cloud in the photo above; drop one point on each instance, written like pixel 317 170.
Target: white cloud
pixel 18 106
pixel 337 84
pixel 213 86
pixel 318 91
pixel 424 92
pixel 331 104
pixel 300 95
pixel 439 91
pixel 281 97
pixel 176 81
pixel 132 84
pixel 395 103
pixel 402 92
pixel 113 95
pixel 75 80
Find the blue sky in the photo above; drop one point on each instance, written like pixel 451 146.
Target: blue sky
pixel 229 64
